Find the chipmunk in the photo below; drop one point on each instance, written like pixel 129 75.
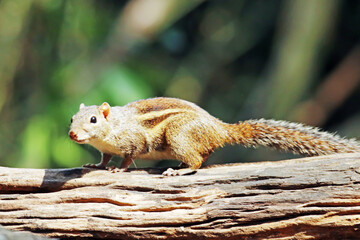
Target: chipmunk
pixel 170 128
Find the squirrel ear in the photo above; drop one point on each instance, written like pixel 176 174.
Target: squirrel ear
pixel 105 109
pixel 81 106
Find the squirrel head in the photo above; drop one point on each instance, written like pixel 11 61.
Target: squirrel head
pixel 90 123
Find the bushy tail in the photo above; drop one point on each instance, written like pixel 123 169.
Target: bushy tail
pixel 288 136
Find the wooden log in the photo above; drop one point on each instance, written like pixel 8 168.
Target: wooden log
pixel 308 198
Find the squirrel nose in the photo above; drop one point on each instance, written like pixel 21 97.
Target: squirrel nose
pixel 72 135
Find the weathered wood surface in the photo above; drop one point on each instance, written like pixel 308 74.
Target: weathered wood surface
pixel 309 198
pixel 13 235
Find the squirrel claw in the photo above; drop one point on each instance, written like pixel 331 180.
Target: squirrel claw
pixel 114 169
pixel 180 172
pixel 90 165
pixel 171 172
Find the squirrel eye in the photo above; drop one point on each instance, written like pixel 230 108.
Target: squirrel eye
pixel 71 120
pixel 93 119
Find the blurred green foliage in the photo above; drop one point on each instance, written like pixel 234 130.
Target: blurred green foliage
pixel 238 59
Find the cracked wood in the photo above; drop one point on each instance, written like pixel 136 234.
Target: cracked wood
pixel 308 198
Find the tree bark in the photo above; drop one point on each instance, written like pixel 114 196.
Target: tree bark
pixel 308 198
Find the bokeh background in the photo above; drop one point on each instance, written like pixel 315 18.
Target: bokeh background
pixel 295 60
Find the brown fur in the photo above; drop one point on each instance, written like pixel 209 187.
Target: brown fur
pixel 171 128
pixel 293 137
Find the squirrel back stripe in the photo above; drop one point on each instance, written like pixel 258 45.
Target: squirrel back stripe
pixel 294 137
pixel 152 119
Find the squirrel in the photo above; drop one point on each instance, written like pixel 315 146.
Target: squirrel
pixel 171 128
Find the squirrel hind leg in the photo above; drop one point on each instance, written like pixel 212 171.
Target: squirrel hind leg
pixel 189 165
pixel 183 171
pixel 204 156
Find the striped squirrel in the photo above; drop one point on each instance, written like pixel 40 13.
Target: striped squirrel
pixel 170 128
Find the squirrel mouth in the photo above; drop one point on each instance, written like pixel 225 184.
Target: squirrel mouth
pixel 74 137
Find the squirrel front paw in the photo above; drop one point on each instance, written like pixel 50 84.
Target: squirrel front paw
pixel 91 165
